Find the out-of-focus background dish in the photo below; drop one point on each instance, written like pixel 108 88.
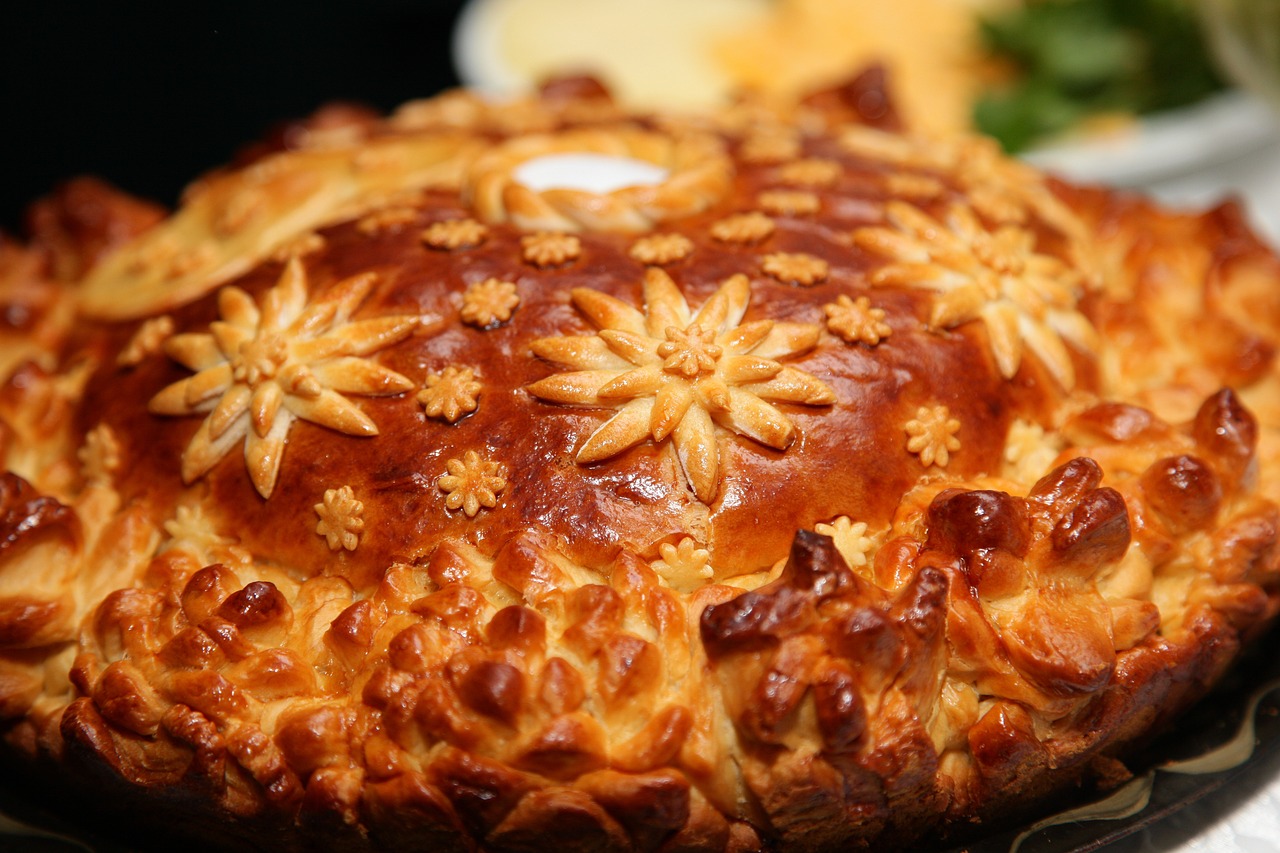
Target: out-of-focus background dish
pixel 1019 70
pixel 1245 35
pixel 1113 91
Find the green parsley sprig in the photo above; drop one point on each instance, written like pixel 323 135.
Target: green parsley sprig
pixel 1081 58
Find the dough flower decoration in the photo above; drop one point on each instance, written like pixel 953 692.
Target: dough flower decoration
pixel 789 202
pixel 795 268
pixel 673 373
pixel 811 173
pixel 854 320
pixel 451 234
pixel 745 228
pixel 450 395
pixel 931 435
pixel 341 519
pixel 1027 300
pixel 685 567
pixel 100 455
pixel 147 341
pixel 851 540
pixel 550 248
pixel 261 367
pixel 490 303
pixel 192 529
pixel 472 482
pixel 661 249
pixel 387 219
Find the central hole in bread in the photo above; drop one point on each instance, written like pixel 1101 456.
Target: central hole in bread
pixel 596 173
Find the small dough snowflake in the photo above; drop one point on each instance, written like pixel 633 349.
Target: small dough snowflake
pixel 931 434
pixel 146 342
pixel 100 455
pixel 550 249
pixel 1029 452
pixel 745 228
pixel 451 394
pixel 851 540
pixel 341 519
pixel 660 249
pixel 190 530
pixel 472 483
pixel 685 567
pixel 390 219
pixel 854 320
pixel 811 173
pixel 788 202
pixel 454 234
pixel 795 268
pixel 489 303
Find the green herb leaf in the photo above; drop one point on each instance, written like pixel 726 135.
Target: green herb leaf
pixel 1078 58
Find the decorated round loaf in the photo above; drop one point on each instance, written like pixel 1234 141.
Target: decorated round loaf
pixel 825 485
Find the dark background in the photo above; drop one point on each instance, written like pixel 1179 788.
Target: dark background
pixel 147 94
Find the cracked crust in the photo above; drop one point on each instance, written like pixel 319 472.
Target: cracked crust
pixel 861 523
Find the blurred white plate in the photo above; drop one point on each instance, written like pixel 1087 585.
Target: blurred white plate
pixel 1165 145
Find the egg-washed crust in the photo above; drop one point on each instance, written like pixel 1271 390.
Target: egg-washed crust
pixel 848 488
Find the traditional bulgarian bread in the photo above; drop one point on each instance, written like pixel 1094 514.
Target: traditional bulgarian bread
pixel 843 487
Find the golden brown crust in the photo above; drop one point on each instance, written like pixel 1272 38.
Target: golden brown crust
pixel 846 488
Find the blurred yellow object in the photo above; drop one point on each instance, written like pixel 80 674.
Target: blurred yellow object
pixel 931 48
pixel 650 53
pixel 695 53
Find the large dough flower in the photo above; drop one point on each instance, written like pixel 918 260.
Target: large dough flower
pixel 1026 299
pixel 259 368
pixel 677 374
